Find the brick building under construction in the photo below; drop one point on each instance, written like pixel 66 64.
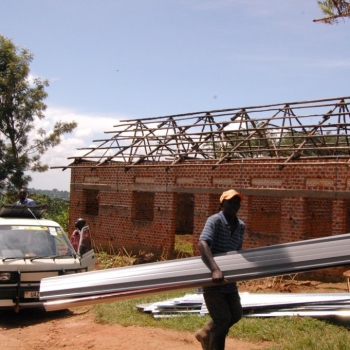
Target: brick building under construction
pixel 157 177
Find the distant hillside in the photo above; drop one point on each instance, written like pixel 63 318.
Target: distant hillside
pixel 50 193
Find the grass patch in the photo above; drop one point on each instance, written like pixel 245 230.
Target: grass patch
pixel 124 312
pixel 107 261
pixel 121 257
pixel 293 333
pixel 184 244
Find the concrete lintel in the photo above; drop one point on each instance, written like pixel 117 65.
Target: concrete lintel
pixel 196 190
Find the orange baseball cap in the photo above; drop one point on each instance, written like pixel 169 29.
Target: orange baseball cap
pixel 230 194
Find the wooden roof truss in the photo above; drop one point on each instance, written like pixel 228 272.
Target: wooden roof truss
pixel 284 132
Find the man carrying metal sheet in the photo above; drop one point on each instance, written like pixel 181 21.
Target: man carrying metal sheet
pixel 223 232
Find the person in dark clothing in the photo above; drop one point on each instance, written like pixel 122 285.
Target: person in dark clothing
pixel 223 232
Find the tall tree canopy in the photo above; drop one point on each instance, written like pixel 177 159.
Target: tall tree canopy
pixel 333 10
pixel 21 105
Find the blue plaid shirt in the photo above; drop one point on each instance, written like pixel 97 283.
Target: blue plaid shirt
pixel 217 233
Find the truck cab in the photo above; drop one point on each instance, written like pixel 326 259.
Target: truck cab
pixel 32 248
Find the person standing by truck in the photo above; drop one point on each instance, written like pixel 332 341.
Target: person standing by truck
pixel 24 200
pixel 75 237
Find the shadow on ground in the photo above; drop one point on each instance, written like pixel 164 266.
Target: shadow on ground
pixel 31 316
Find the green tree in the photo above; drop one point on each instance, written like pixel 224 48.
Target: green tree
pixel 21 106
pixel 333 10
pixel 57 210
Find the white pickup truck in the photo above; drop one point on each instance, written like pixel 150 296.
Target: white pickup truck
pixel 32 248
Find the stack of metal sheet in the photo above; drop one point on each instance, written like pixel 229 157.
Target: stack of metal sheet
pixel 318 305
pixel 188 304
pixel 121 283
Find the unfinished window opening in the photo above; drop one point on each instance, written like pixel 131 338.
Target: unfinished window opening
pixel 184 214
pixel 91 202
pixel 143 206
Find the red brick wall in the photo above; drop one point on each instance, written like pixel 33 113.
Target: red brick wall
pixel 264 221
pixel 297 202
pixel 318 216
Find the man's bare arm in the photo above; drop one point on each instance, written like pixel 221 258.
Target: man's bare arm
pixel 216 274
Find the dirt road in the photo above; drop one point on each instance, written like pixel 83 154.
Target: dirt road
pixel 75 329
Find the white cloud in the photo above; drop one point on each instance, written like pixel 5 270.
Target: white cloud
pixel 84 132
pixel 31 78
pixel 90 127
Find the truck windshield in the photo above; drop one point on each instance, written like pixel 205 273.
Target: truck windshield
pixel 31 241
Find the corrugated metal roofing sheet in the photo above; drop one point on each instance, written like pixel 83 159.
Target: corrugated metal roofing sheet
pixel 319 305
pixel 127 282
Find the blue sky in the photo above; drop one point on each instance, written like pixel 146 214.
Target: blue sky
pixel 111 60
